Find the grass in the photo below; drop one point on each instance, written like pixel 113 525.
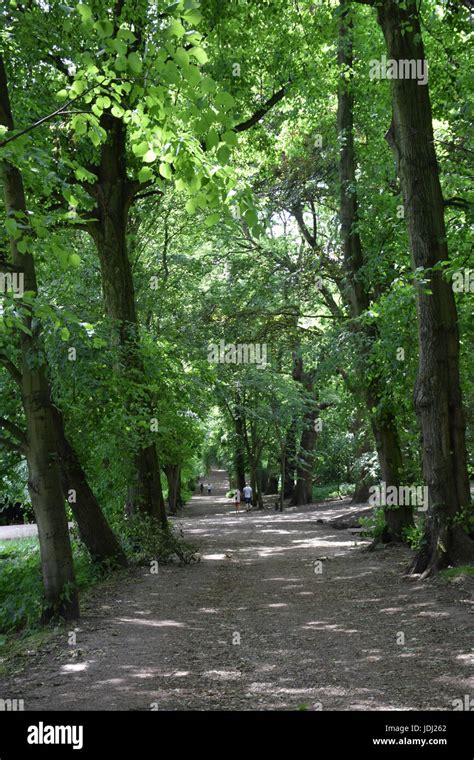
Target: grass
pixel 21 592
pixel 21 583
pixel 455 572
pixel 332 491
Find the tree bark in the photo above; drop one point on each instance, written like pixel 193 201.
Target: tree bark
pixel 438 397
pixel 44 476
pixel 357 295
pixel 239 455
pixel 113 193
pixel 94 530
pixel 172 477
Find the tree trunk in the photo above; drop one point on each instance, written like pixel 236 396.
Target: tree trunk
pixel 44 477
pixel 382 420
pixel 304 469
pixel 172 476
pixel 94 530
pixel 272 484
pixel 291 456
pixel 239 456
pixel 113 193
pixel 438 398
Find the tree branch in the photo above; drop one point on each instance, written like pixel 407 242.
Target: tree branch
pixel 10 367
pixel 8 444
pixel 258 115
pixel 15 431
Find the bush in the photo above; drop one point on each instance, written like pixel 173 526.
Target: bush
pixel 413 536
pixel 145 540
pixel 374 525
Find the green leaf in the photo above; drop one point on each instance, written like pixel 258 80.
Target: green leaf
pixel 165 171
pixel 224 100
pixel 191 206
pixel 65 334
pixel 212 139
pixel 145 174
pixel 84 11
pixel 212 219
pixel 12 229
pixel 119 46
pixel 104 28
pixel 134 62
pixel 251 218
pixel 139 149
pixel 223 154
pixel 74 260
pixel 176 29
pixel 193 17
pixel 181 57
pixel 149 156
pixel 230 137
pixel 208 85
pixel 199 54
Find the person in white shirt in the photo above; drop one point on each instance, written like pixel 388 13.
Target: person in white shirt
pixel 248 496
pixel 237 499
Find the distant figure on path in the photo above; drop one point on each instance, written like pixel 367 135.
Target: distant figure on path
pixel 201 487
pixel 209 489
pixel 237 499
pixel 248 496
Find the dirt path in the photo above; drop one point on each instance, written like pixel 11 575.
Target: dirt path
pixel 324 640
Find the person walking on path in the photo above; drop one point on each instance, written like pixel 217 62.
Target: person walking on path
pixel 201 487
pixel 209 489
pixel 237 499
pixel 248 496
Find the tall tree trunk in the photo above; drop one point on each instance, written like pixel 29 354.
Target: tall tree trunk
pixel 239 455
pixel 382 420
pixel 304 456
pixel 172 476
pixel 94 530
pixel 438 398
pixel 113 193
pixel 44 476
pixel 291 457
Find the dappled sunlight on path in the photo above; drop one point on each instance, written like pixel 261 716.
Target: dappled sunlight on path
pixel 281 611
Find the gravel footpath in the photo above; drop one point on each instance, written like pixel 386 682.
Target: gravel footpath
pixel 282 612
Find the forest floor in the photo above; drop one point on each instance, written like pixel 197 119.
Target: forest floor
pixel 308 640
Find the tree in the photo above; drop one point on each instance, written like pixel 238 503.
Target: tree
pixel 438 395
pixel 44 473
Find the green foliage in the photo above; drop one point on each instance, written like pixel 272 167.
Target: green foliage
pixel 465 519
pixel 414 535
pixel 21 584
pixel 145 541
pixel 457 572
pixel 374 525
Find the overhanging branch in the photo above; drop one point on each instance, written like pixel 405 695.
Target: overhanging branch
pixel 258 115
